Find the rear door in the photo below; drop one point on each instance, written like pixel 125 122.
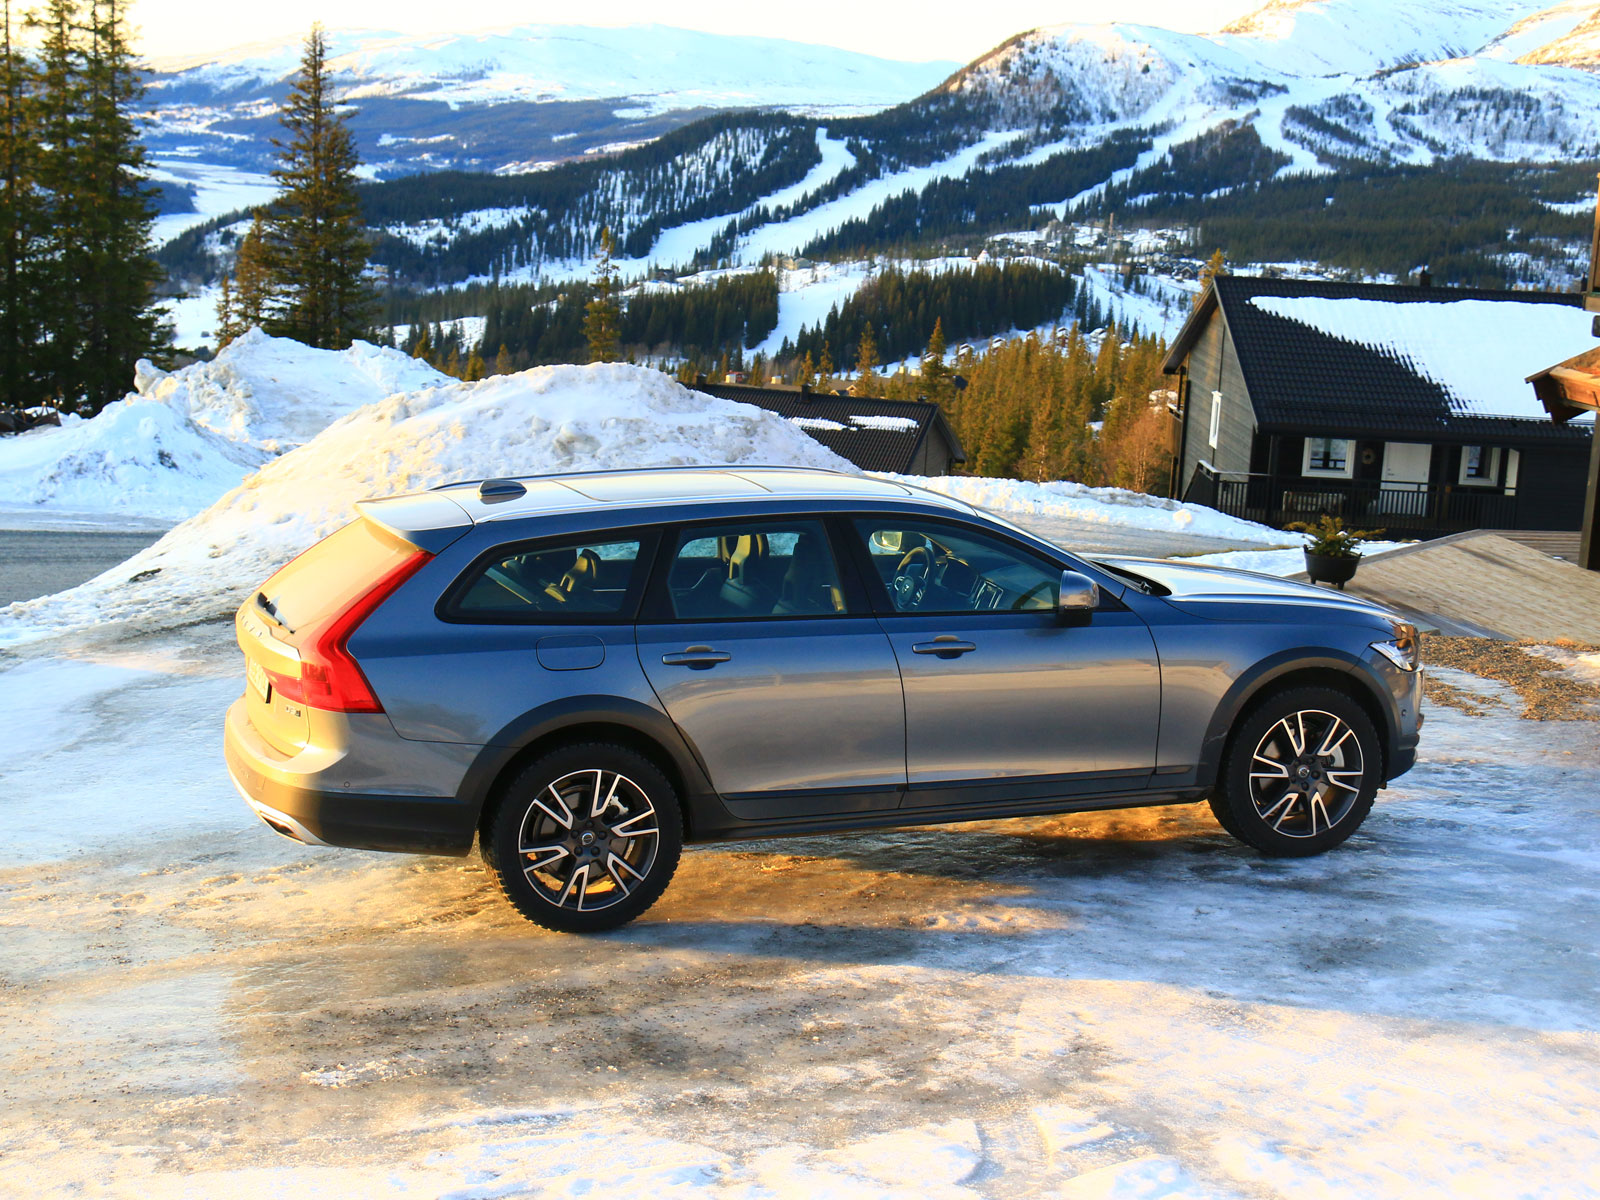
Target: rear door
pixel 1003 701
pixel 768 658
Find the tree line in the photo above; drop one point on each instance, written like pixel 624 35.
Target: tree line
pixel 77 283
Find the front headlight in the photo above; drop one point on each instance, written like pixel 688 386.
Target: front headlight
pixel 1402 650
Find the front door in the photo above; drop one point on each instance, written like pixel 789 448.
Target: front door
pixel 781 679
pixel 1405 478
pixel 1003 701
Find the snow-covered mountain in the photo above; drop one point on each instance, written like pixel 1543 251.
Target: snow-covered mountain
pixel 554 91
pixel 1073 122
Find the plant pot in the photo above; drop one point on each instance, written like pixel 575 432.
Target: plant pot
pixel 1326 568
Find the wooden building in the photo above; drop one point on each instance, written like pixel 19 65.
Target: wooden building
pixel 906 437
pixel 1571 389
pixel 1389 406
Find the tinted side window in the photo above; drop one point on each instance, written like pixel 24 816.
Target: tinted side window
pixel 754 569
pixel 929 567
pixel 572 578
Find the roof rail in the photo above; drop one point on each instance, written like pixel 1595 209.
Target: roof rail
pixel 728 467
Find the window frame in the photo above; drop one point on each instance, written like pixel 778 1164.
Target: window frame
pixel 656 607
pixel 1492 479
pixel 1214 431
pixel 1307 471
pixel 448 607
pixel 883 604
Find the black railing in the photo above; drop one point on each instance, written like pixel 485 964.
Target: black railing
pixel 1405 509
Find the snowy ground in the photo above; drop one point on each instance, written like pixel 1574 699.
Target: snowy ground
pixel 1122 1005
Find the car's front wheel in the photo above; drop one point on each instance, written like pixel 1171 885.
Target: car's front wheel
pixel 1300 772
pixel 585 838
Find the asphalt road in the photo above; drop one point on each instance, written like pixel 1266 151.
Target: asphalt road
pixel 37 562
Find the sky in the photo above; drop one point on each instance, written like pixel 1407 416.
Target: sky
pixel 888 29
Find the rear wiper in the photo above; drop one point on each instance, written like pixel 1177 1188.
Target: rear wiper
pixel 271 609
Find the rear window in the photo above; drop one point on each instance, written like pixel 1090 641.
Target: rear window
pixel 327 578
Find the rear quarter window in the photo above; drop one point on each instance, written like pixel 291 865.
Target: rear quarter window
pixel 592 579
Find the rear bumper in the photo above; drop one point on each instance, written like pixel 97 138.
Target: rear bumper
pixel 296 807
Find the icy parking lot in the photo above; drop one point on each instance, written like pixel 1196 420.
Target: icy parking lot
pixel 1116 1005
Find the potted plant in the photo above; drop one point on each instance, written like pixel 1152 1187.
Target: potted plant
pixel 1333 552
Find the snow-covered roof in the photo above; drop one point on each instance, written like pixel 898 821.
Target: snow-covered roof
pixel 1386 360
pixel 1480 352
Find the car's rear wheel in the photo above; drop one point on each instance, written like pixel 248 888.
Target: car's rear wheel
pixel 585 838
pixel 1300 772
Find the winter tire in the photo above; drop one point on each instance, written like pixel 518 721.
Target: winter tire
pixel 1300 772
pixel 585 838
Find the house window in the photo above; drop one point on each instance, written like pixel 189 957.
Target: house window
pixel 1216 419
pixel 1480 465
pixel 1328 456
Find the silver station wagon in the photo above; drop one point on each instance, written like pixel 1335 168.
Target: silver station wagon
pixel 583 672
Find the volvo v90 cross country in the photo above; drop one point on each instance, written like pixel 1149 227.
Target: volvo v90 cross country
pixel 581 673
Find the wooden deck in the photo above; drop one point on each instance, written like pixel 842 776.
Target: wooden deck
pixel 1482 584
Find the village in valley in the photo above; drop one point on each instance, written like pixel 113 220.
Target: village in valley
pixel 1242 334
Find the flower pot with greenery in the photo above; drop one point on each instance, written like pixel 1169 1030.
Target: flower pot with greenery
pixel 1333 552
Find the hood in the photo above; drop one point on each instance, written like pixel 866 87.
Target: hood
pixel 1226 594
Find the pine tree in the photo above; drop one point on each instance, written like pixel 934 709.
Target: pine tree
pixel 502 361
pixel 316 247
pixel 602 315
pixel 475 365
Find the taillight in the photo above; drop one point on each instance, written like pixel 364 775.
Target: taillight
pixel 329 678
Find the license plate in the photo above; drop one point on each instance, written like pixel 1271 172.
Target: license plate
pixel 255 674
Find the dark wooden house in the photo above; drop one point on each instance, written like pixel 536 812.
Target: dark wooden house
pixel 906 437
pixel 1389 406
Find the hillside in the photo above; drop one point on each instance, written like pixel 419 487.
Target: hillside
pixel 1369 136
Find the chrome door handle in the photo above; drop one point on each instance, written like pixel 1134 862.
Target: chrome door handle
pixel 696 658
pixel 945 646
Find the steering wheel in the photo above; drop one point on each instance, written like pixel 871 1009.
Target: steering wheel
pixel 910 582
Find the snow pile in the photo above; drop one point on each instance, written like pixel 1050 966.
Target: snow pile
pixel 138 457
pixel 550 419
pixel 1104 505
pixel 180 440
pixel 275 393
pixel 1480 352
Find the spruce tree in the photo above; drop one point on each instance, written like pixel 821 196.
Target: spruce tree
pixel 1215 265
pixel 867 380
pixel 252 282
pixel 502 361
pixel 21 225
pixel 120 323
pixel 315 245
pixel 603 315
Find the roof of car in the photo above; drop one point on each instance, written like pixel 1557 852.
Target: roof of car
pixel 539 495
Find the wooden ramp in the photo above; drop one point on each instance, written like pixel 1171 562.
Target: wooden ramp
pixel 1480 584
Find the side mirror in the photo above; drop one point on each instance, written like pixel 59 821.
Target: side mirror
pixel 1079 597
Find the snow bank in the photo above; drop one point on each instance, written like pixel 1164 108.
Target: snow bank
pixel 183 438
pixel 550 419
pixel 1107 506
